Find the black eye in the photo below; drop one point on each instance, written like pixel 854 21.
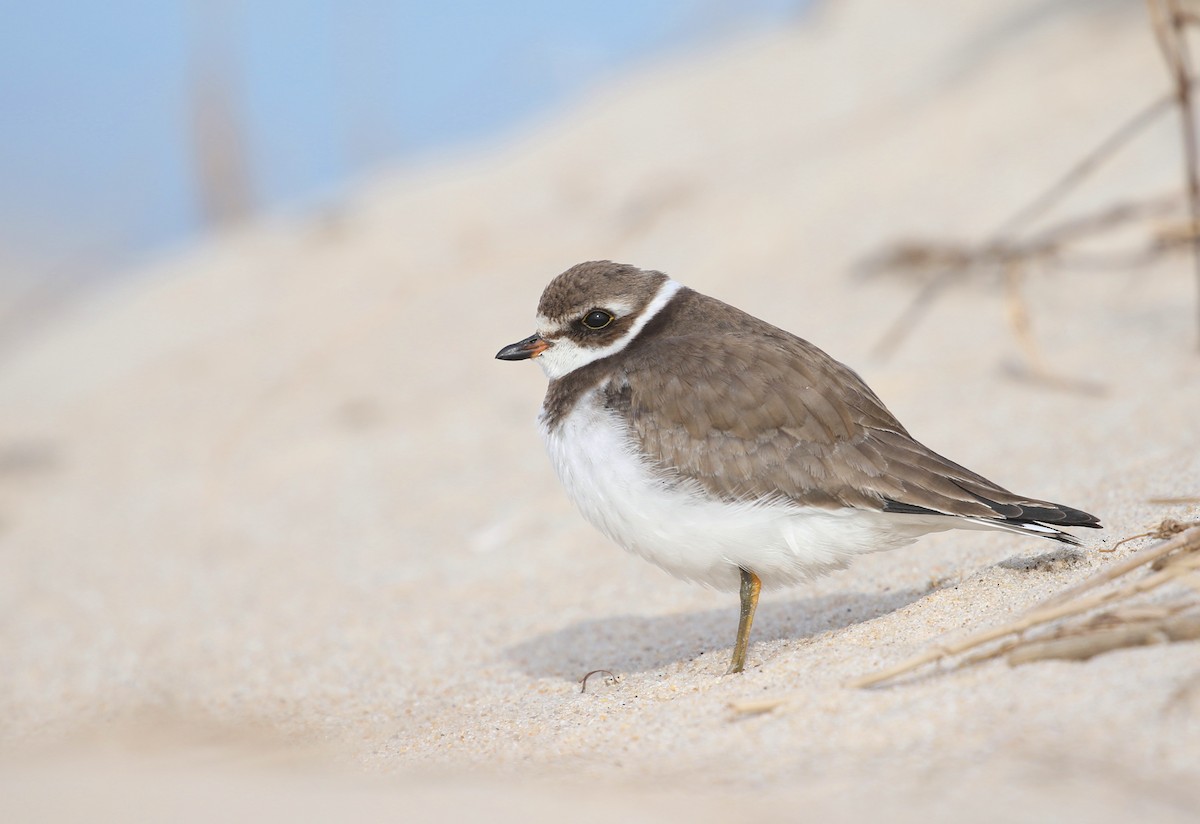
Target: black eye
pixel 597 319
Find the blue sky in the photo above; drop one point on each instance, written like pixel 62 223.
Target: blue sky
pixel 96 152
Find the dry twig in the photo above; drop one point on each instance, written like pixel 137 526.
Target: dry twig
pixel 1170 29
pixel 609 678
pixel 1166 528
pixel 1020 319
pixel 950 262
pixel 953 261
pixel 1080 647
pixel 1074 602
pixel 758 707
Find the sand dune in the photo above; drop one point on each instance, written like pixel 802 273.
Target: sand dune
pixel 279 536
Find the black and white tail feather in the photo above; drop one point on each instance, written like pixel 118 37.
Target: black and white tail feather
pixel 1026 519
pixel 1030 528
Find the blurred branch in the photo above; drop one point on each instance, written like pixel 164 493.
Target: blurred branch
pixel 220 164
pixel 947 262
pixel 953 261
pixel 1170 29
pixel 1086 165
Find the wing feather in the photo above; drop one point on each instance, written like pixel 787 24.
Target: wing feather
pixel 748 421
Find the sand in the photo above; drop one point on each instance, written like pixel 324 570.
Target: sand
pixel 279 538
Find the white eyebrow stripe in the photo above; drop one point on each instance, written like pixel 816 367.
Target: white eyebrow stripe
pixel 565 356
pixel 619 308
pixel 546 327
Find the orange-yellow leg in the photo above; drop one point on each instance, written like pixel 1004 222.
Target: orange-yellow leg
pixel 751 586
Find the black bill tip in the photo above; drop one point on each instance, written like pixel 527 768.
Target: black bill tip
pixel 531 347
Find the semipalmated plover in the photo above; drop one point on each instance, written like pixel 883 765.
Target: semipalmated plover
pixel 730 452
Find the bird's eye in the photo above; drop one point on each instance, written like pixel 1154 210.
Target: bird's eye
pixel 597 319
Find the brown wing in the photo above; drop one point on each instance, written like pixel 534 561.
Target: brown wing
pixel 788 421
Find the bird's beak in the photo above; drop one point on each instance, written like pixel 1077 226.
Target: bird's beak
pixel 531 347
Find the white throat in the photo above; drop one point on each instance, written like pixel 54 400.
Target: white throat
pixel 565 356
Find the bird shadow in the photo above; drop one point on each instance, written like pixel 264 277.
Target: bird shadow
pixel 641 643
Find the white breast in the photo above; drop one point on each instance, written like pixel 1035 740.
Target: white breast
pixel 677 526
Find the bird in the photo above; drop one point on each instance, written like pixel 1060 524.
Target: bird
pixel 732 453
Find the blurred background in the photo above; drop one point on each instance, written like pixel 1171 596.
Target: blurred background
pixel 272 517
pixel 133 127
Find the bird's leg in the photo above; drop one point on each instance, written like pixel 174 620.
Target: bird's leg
pixel 751 586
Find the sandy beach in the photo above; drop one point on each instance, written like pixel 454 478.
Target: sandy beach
pixel 280 540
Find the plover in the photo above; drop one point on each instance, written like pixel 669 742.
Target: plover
pixel 730 452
